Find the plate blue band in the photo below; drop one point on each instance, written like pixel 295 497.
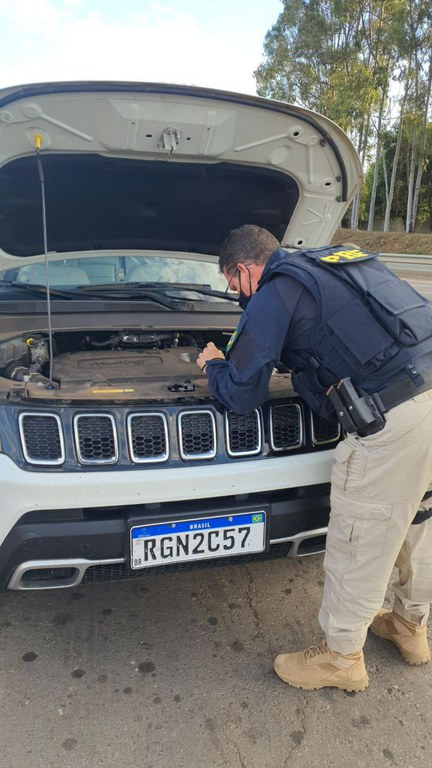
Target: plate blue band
pixel 200 524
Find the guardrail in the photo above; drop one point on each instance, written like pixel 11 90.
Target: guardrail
pixel 419 257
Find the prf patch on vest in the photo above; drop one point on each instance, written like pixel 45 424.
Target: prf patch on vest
pixel 340 255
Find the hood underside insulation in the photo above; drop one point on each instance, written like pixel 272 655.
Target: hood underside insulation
pixel 97 203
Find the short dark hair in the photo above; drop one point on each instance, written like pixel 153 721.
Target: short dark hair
pixel 247 243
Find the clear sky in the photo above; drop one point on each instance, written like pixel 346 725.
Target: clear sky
pixel 216 44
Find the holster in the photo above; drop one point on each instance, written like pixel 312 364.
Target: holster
pixel 361 413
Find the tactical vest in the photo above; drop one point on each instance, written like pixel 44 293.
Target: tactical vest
pixel 371 324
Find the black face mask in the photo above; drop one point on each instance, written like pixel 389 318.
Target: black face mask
pixel 244 299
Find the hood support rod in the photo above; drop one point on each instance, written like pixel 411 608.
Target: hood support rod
pixel 38 143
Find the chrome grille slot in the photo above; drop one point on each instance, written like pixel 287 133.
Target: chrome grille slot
pixel 323 431
pixel 286 427
pixel 243 433
pixel 96 438
pixel 197 435
pixel 147 437
pixel 41 438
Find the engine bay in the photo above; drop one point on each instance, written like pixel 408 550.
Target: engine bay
pixel 145 365
pixel 155 363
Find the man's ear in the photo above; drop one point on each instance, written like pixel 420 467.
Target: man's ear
pixel 243 269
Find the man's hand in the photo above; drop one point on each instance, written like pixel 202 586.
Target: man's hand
pixel 210 352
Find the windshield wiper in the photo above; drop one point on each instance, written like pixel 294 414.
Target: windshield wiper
pixel 161 288
pixel 165 294
pixel 101 292
pixel 40 290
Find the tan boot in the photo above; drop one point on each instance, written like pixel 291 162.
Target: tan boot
pixel 320 667
pixel 409 638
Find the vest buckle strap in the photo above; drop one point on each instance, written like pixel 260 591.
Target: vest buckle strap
pixel 414 374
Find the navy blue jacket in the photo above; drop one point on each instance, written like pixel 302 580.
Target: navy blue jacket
pixel 280 325
pixel 276 323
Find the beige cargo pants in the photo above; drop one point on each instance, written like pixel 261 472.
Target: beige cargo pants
pixel 377 486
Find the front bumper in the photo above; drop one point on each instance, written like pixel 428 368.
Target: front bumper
pixel 48 519
pixel 53 550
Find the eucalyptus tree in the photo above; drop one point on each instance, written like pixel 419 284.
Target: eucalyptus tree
pixel 421 37
pixel 351 59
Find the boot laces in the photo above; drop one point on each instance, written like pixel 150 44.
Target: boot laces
pixel 315 651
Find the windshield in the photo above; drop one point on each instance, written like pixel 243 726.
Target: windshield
pixel 119 270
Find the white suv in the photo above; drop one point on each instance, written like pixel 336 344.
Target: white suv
pixel 114 456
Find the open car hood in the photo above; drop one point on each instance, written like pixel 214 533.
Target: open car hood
pixel 164 168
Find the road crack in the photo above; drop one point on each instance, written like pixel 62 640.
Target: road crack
pixel 298 736
pixel 252 607
pixel 239 755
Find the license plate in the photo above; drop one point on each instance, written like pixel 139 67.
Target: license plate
pixel 197 539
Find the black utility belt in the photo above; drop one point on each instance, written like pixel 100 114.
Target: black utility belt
pixel 399 393
pixel 364 413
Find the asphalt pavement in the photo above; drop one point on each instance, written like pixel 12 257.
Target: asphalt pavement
pixel 175 671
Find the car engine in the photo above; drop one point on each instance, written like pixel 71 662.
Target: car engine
pixel 146 364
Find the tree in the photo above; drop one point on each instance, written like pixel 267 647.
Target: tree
pixel 418 32
pixel 396 158
pixel 333 56
pixel 352 61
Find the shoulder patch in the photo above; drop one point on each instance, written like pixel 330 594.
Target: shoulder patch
pixel 232 340
pixel 350 254
pixel 338 255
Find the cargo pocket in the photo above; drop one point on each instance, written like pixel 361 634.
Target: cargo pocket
pixel 368 532
pixel 349 466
